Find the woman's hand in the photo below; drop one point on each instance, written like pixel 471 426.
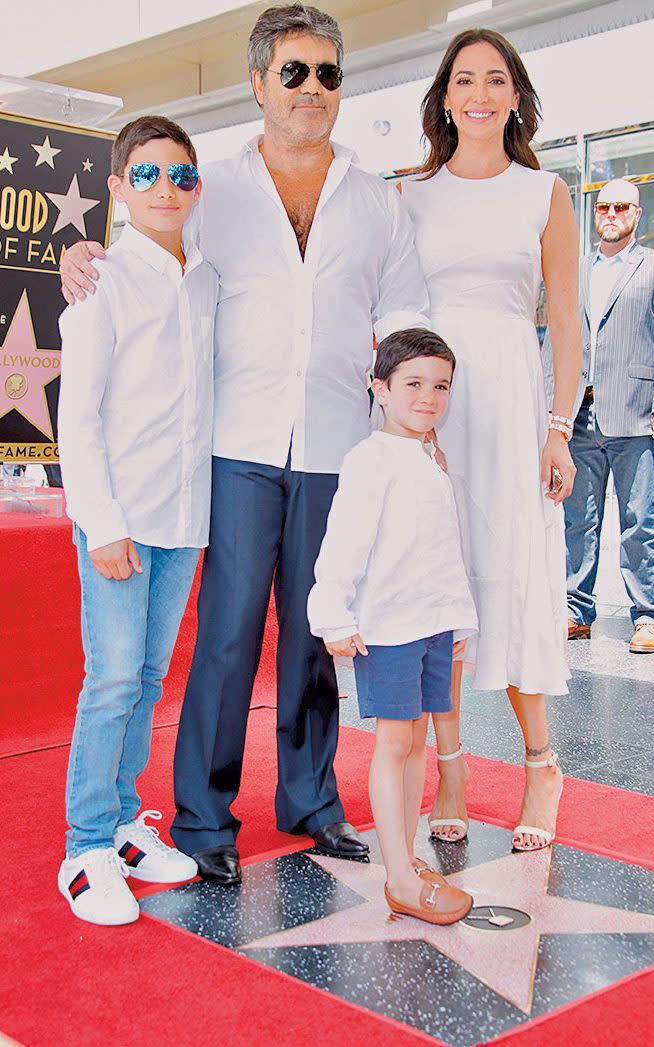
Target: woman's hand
pixel 76 271
pixel 348 647
pixel 439 457
pixel 557 470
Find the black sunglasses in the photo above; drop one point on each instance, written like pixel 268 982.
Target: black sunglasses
pixel 292 74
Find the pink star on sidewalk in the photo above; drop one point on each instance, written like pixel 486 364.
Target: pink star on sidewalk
pixel 504 961
pixel 25 370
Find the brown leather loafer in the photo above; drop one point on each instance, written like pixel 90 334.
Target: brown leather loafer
pixel 642 642
pixel 577 630
pixel 439 903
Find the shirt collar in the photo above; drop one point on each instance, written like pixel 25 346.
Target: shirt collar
pixel 341 152
pixel 155 255
pixel 404 444
pixel 621 256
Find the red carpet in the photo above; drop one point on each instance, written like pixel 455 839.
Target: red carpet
pixel 66 983
pixel 59 979
pixel 42 663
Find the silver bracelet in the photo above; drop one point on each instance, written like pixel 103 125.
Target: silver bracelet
pixel 560 428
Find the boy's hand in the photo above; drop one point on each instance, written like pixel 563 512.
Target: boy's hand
pixel 76 271
pixel 458 648
pixel 348 647
pixel 117 559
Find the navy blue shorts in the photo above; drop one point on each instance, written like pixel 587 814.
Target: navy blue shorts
pixel 402 682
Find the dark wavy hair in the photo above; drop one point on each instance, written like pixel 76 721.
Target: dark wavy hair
pixel 443 138
pixel 401 346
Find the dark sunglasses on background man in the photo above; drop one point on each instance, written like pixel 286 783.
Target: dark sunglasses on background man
pixel 619 208
pixel 144 176
pixel 292 74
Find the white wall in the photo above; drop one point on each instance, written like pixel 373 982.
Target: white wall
pixel 68 30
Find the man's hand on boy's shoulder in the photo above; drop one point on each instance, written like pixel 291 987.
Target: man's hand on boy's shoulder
pixel 77 271
pixel 117 559
pixel 348 647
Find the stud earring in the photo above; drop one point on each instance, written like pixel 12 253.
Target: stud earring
pixel 448 116
pixel 516 113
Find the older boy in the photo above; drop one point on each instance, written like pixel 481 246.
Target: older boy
pixel 135 441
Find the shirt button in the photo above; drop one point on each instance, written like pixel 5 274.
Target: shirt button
pixel 303 330
pixel 584 374
pixel 299 374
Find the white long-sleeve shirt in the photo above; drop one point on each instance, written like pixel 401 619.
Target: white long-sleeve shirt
pixel 390 567
pixel 294 337
pixel 136 399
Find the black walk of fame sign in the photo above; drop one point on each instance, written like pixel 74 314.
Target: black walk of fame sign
pixel 53 192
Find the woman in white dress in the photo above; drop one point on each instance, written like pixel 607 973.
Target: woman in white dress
pixel 489 227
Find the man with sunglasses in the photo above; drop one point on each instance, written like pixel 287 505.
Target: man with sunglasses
pixel 313 256
pixel 614 416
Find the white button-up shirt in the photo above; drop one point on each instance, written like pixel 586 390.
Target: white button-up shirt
pixel 294 337
pixel 603 278
pixel 390 566
pixel 136 403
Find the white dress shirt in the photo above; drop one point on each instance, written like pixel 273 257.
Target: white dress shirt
pixel 603 278
pixel 390 567
pixel 294 337
pixel 136 403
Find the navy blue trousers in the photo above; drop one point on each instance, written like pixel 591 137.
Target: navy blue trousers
pixel 265 521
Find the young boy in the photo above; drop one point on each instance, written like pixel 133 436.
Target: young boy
pixel 135 421
pixel 391 591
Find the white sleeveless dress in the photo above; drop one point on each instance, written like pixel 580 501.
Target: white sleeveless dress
pixel 479 242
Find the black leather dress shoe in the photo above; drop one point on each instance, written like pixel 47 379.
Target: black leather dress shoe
pixel 340 840
pixel 219 865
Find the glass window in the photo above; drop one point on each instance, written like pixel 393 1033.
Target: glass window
pixel 629 155
pixel 561 158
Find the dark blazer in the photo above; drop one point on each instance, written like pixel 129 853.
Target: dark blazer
pixel 623 382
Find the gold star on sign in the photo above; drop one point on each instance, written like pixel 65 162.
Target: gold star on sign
pixel 7 161
pixel 46 153
pixel 87 165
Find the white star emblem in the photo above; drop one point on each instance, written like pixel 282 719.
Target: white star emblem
pixel 46 153
pixel 505 962
pixel 7 161
pixel 72 208
pixel 87 165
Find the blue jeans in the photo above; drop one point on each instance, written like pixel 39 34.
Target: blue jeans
pixel 129 630
pixel 631 461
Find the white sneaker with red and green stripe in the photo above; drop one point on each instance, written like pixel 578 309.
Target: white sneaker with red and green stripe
pixel 94 886
pixel 147 857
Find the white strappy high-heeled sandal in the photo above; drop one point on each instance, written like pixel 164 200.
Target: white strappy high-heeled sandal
pixel 440 823
pixel 545 838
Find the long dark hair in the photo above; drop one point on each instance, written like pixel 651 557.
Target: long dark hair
pixel 443 138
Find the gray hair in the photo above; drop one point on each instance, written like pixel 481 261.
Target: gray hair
pixel 277 22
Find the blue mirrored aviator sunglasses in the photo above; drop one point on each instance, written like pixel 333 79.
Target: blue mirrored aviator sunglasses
pixel 144 176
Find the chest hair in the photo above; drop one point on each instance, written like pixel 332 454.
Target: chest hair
pixel 300 199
